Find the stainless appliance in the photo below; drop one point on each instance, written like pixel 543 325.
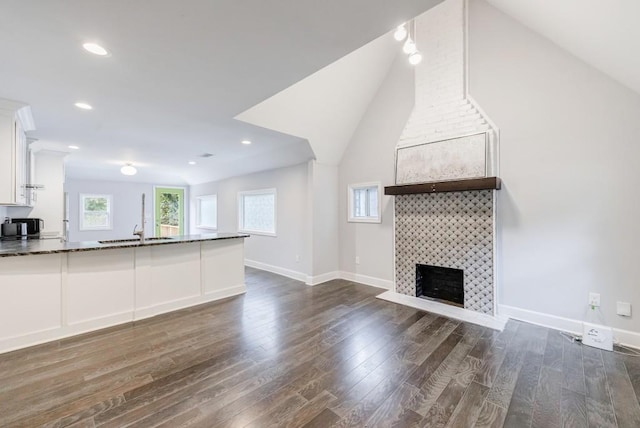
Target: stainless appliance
pixel 34 226
pixel 12 231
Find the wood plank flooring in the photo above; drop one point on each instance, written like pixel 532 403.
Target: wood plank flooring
pixel 289 355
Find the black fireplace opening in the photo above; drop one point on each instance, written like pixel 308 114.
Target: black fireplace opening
pixel 440 283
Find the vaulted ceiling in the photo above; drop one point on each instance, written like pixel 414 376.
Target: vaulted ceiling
pixel 188 78
pixel 178 74
pixel 604 34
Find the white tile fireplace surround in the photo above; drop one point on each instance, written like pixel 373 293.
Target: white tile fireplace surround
pixel 452 230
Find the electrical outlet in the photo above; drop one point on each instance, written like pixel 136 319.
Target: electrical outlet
pixel 623 308
pixel 297 258
pixel 594 299
pixel 357 260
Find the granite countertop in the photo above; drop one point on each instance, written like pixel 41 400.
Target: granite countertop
pixel 51 246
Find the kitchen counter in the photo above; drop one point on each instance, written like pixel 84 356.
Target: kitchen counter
pixel 68 288
pixel 51 246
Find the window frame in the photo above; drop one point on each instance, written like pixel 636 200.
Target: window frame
pixel 199 200
pixel 109 198
pixel 351 188
pixel 241 227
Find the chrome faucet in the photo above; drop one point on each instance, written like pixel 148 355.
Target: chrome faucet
pixel 140 232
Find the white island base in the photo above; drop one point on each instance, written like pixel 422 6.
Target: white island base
pixel 44 297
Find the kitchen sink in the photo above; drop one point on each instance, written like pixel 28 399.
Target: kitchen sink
pixel 124 241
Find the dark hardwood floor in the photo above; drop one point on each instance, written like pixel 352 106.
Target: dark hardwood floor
pixel 288 355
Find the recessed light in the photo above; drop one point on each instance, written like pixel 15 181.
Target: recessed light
pixel 192 163
pixel 247 142
pixel 74 147
pixel 83 106
pixel 95 49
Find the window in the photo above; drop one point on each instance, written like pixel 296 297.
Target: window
pixel 364 203
pixel 95 212
pixel 207 212
pixel 257 212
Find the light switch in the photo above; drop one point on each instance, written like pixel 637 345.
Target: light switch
pixel 624 309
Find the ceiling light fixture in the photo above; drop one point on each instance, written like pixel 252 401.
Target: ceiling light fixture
pixel 95 49
pixel 128 169
pixel 415 58
pixel 409 47
pixel 246 142
pixel 83 106
pixel 74 147
pixel 192 163
pixel 401 32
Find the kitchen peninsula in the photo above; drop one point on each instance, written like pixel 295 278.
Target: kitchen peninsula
pixel 51 289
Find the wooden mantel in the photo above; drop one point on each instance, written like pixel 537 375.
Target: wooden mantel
pixel 492 183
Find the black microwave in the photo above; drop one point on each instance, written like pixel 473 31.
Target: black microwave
pixel 34 225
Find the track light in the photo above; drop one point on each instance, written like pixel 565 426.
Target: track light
pixel 401 32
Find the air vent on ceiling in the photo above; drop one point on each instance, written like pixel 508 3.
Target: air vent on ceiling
pixel 206 155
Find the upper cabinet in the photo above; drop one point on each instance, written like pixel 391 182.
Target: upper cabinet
pixel 15 177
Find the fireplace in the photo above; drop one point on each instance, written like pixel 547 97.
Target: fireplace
pixel 447 229
pixel 446 178
pixel 439 283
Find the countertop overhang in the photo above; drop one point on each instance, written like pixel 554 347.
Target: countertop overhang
pixel 52 246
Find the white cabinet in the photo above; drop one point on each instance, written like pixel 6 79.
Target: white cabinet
pixel 47 167
pixel 45 297
pixel 15 120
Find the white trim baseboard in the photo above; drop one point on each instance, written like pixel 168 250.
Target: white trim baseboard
pixel 624 337
pixel 212 295
pixel 496 323
pixel 319 279
pixel 276 269
pixel 175 305
pixel 367 280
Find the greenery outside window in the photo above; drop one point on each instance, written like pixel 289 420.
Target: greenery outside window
pixel 169 211
pixel 96 212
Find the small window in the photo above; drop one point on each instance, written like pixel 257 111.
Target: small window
pixel 207 212
pixel 95 212
pixel 257 212
pixel 364 203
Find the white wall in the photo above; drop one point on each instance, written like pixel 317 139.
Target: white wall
pixel 324 218
pixel 127 205
pixel 570 164
pixel 370 157
pixel 292 217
